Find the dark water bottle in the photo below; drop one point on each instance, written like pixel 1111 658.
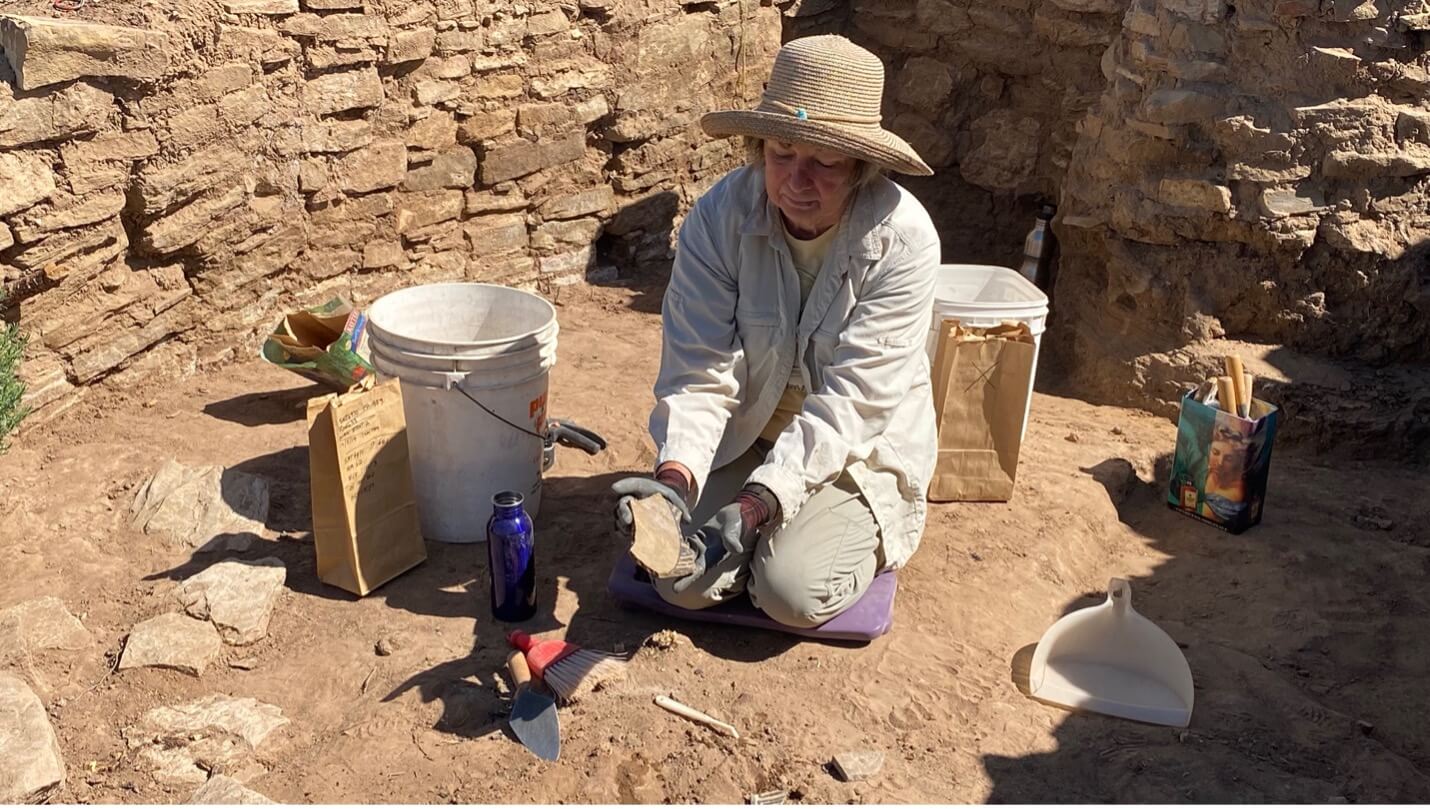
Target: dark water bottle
pixel 511 551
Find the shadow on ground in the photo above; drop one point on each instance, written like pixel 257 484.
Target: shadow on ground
pixel 1328 628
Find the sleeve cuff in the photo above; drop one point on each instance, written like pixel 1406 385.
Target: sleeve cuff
pixel 786 485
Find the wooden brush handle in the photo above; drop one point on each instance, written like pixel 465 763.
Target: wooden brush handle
pixel 1226 394
pixel 1238 382
pixel 696 716
pixel 520 672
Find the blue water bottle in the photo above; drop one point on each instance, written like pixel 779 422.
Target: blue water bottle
pixel 511 551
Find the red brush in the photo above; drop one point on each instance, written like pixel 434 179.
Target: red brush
pixel 565 667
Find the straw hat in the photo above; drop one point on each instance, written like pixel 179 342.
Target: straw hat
pixel 824 91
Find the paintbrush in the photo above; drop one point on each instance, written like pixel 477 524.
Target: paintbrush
pixel 566 668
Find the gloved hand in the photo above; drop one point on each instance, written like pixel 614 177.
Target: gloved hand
pixel 669 483
pixel 739 524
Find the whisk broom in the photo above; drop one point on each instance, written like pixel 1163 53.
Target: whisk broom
pixel 565 667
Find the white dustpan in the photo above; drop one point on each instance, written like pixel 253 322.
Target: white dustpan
pixel 1113 661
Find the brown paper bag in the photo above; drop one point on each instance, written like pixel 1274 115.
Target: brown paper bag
pixel 365 526
pixel 980 392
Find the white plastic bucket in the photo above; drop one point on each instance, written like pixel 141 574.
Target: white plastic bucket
pixel 982 296
pixel 493 343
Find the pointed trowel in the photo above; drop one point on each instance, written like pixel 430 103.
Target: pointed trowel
pixel 533 712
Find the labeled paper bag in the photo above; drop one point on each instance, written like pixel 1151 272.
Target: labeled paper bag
pixel 980 395
pixel 365 526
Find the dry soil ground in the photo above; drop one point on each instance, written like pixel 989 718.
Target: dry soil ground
pixel 1307 636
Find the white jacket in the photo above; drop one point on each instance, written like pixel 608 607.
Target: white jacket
pixel 733 333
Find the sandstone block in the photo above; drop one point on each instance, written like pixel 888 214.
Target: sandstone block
pixel 377 255
pixel 536 119
pixel 198 505
pixel 512 160
pixel 491 235
pixel 1091 6
pixel 79 252
pixel 183 743
pixel 561 234
pixel 267 47
pixel 7 239
pixel 445 67
pixel 450 42
pixel 326 56
pixel 503 61
pixel 1199 194
pixel 35 626
pixel 237 597
pixel 1412 126
pixel 383 164
pixel 188 224
pixel 265 7
pixel 1281 202
pixel 411 46
pixel 547 22
pixel 43 51
pixel 162 187
pixel 490 201
pixel 592 109
pixel 427 93
pixel 495 87
pixel 338 92
pixel 563 82
pixel 34 765
pixel 336 136
pixel 1070 29
pixel 68 211
pixel 485 126
pixel 220 789
pixel 74 109
pixel 573 261
pixel 1346 165
pixel 592 201
pixel 25 179
pixel 1006 150
pixel 924 83
pixel 124 147
pixel 455 168
pixel 942 17
pixel 172 641
pixel 416 211
pixel 435 132
pixel 1181 107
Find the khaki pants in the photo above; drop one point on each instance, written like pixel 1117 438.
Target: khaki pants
pixel 804 575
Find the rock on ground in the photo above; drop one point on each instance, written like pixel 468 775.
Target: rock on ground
pixel 40 624
pixel 226 791
pixel 237 596
pixel 182 744
pixel 858 765
pixel 172 641
pixel 31 766
pixel 208 507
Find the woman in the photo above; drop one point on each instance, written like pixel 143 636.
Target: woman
pixel 794 420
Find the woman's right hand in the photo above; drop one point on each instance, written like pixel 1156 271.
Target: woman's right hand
pixel 669 484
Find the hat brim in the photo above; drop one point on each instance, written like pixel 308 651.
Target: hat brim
pixel 874 144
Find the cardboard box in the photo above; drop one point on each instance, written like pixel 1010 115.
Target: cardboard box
pixel 1222 463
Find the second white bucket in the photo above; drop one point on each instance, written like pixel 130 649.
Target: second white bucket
pixel 983 296
pixel 474 361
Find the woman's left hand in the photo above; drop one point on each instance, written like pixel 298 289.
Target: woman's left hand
pixel 739 523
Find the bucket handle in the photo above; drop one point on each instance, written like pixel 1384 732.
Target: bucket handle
pixel 1119 595
pixel 557 432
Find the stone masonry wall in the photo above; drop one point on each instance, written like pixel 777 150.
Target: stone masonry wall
pixel 175 176
pixel 1257 172
pixel 1245 176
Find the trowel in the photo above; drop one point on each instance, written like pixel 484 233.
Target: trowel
pixel 1111 660
pixel 533 717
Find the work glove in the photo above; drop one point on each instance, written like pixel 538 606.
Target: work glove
pixel 739 524
pixel 667 483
